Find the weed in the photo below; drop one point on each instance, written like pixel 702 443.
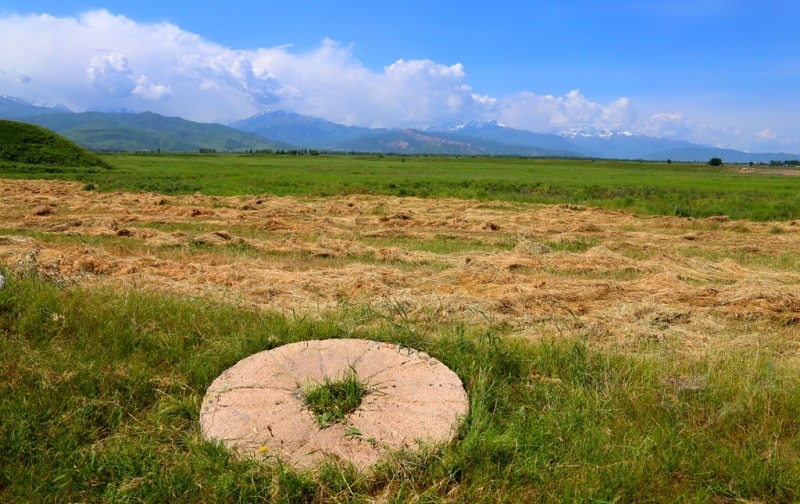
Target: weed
pixel 332 400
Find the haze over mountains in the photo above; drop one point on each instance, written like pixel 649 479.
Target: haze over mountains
pixel 278 130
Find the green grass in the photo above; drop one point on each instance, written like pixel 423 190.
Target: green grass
pixel 100 395
pixel 100 390
pixel 746 257
pixel 30 149
pixel 332 400
pixel 441 243
pixel 576 245
pixel 683 189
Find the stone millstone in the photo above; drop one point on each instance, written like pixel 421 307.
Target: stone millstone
pixel 256 407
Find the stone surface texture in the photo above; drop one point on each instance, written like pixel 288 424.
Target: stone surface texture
pixel 256 406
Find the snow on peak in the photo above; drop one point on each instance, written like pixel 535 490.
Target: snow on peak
pixel 488 123
pixel 595 133
pixel 14 99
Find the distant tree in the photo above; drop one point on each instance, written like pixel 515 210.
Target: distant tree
pixel 715 161
pixel 669 161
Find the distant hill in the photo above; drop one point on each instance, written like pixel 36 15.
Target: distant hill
pixel 411 141
pixel 700 153
pixel 626 145
pixel 486 138
pixel 147 131
pixel 303 131
pixel 613 144
pixel 16 108
pixel 316 133
pixel 622 145
pixel 286 131
pixel 31 144
pixel 493 130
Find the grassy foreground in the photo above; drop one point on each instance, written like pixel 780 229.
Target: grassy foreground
pixel 101 391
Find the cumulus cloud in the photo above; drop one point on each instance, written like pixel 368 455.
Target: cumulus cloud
pixel 766 133
pixel 423 91
pixel 150 91
pixel 526 110
pixel 670 125
pixel 102 61
pixel 110 76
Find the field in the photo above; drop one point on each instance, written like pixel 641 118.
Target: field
pixel 625 331
pixel 682 189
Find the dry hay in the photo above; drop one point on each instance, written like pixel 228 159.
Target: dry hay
pixel 692 284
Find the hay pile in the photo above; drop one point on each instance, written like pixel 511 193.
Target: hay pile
pixel 645 281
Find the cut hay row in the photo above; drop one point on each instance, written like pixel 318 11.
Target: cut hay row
pixel 620 280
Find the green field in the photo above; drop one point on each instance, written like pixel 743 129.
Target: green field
pixel 100 388
pixel 101 395
pixel 684 189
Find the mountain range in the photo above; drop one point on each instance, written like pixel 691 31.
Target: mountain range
pixel 285 131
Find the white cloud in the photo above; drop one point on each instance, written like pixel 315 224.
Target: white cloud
pixel 766 134
pixel 101 61
pixel 110 76
pixel 670 125
pixel 150 91
pixel 526 110
pixel 422 91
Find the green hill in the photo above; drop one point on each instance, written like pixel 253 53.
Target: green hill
pixel 146 131
pixel 30 144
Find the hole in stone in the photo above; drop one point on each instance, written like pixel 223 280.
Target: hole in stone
pixel 332 400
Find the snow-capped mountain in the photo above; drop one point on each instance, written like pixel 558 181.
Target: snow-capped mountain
pixel 498 132
pixel 621 144
pixel 473 125
pixel 286 130
pixel 13 108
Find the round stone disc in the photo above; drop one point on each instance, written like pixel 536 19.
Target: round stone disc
pixel 256 407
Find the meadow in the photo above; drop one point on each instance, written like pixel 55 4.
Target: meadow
pixel 684 189
pixel 625 331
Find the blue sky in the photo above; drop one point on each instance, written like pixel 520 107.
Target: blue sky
pixel 718 72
